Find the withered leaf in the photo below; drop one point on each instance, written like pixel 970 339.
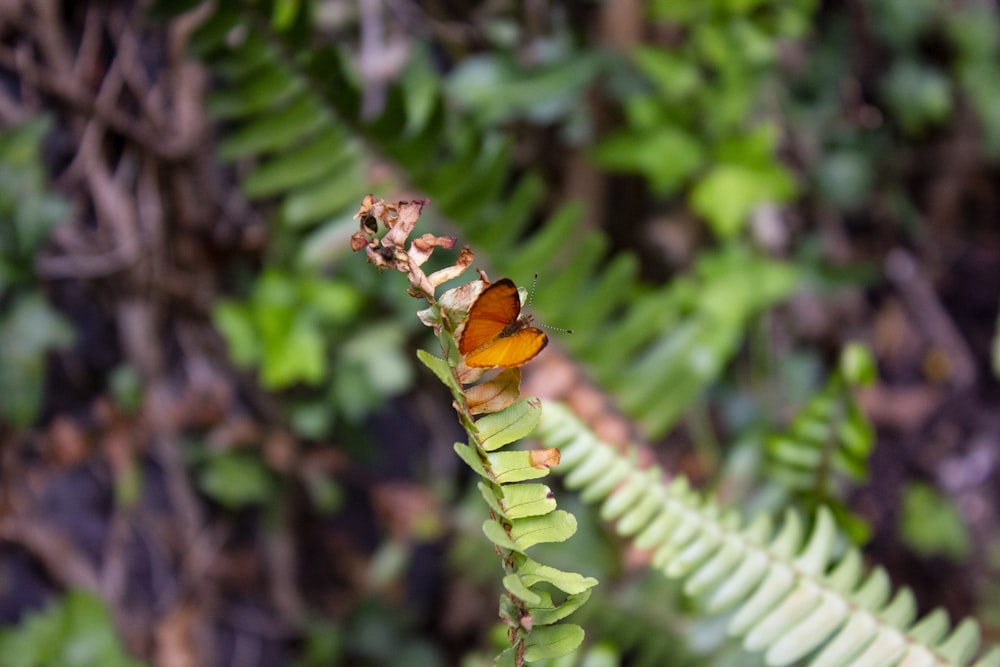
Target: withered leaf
pixel 495 395
pixel 545 458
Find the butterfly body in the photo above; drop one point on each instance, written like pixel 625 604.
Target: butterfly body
pixel 512 328
pixel 496 334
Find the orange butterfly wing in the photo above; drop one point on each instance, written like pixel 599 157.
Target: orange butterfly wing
pixel 493 334
pixel 510 350
pixel 496 308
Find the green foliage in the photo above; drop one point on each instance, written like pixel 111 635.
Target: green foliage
pixel 28 331
pixel 903 22
pixel 644 618
pixel 302 153
pixel 299 329
pixel 746 177
pixel 236 480
pixel 496 89
pixel 931 525
pixel 688 131
pixel 919 96
pixel 792 592
pixel 464 168
pixel 975 33
pixel 937 60
pixel 687 333
pixel 828 442
pixel 28 213
pixel 323 644
pixel 844 177
pixel 374 636
pixel 284 13
pixel 76 631
pixel 285 327
pixel 29 326
pixel 126 387
pixel 701 127
pixel 294 326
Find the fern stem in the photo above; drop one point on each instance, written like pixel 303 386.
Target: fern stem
pixel 703 437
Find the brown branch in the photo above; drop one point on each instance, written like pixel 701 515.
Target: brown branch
pixel 64 562
pixel 926 308
pixel 115 213
pixel 67 90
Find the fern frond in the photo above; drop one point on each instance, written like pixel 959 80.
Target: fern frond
pixel 790 597
pixel 828 441
pixel 302 153
pixel 492 411
pixel 523 514
pixel 830 433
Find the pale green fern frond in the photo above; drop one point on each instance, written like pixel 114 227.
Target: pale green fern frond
pixel 792 594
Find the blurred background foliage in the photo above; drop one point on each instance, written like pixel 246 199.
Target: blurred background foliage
pixel 29 326
pixel 210 414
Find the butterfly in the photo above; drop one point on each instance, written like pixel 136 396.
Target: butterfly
pixel 496 334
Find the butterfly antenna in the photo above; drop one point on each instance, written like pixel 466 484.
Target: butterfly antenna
pixel 531 294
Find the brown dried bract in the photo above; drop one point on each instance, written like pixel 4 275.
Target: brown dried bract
pixel 496 394
pixel 391 251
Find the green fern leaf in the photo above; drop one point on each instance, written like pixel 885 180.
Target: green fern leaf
pixel 510 467
pixel 794 601
pixel 509 425
pixel 277 131
pixel 553 641
pixel 523 500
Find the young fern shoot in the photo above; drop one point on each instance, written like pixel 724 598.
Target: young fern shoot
pixel 484 339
